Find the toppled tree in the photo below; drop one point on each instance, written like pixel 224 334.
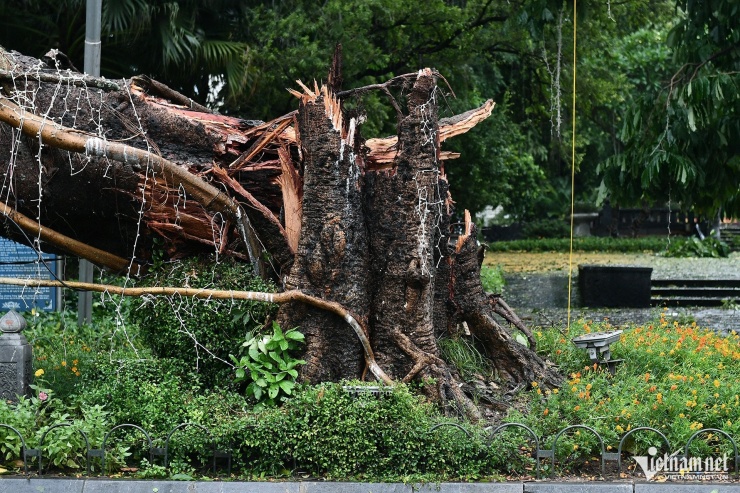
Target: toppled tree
pixel 100 169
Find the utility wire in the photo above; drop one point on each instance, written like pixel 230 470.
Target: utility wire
pixel 572 165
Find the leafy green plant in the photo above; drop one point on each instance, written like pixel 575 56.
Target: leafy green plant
pixel 269 366
pixel 201 333
pixel 696 247
pixel 63 446
pixel 492 278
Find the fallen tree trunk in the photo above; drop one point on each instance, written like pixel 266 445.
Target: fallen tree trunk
pixel 360 225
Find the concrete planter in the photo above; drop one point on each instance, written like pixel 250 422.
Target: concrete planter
pixel 614 286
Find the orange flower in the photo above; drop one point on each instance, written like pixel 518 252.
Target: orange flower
pixel 546 412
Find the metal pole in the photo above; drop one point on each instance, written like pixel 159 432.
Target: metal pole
pixel 92 67
pixel 92 37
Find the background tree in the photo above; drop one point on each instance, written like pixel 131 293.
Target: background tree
pixel 681 135
pixel 244 55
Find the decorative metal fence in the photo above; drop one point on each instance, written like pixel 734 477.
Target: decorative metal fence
pixel 493 433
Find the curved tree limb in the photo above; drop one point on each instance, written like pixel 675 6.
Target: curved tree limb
pixel 279 298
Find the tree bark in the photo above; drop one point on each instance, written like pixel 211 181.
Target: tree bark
pixel 360 226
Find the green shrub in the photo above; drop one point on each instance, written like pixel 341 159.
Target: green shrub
pixel 546 228
pixel 324 431
pixel 695 247
pixel 158 395
pixel 64 351
pixel 492 278
pixel 587 244
pixel 202 333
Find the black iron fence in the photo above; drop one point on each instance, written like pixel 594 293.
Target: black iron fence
pixel 493 433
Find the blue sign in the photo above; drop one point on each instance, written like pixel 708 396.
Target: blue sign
pixel 23 262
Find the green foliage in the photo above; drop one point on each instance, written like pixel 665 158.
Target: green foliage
pixel 65 352
pixel 462 354
pixel 492 279
pixel 64 446
pixel 381 439
pixel 676 377
pixel 158 395
pixel 201 333
pixel 679 137
pixel 188 43
pixel 695 247
pixel 546 228
pixel 586 244
pixel 269 366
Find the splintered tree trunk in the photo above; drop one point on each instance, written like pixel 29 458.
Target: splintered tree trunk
pixel 373 240
pixel 332 259
pixel 360 226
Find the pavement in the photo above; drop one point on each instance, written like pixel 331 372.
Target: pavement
pixel 41 485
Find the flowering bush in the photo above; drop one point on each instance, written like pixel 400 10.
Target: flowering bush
pixel 676 377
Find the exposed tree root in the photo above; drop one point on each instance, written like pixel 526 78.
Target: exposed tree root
pixel 514 362
pixel 448 387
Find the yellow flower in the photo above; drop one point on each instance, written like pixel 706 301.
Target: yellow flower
pixel 64 363
pixel 554 391
pixel 39 372
pixel 74 369
pixel 716 383
pixel 534 384
pixel 74 362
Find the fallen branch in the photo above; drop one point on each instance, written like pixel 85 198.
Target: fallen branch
pixel 169 93
pixel 70 78
pixel 70 245
pixel 279 298
pixel 60 137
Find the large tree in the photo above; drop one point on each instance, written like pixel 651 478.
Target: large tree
pixel 680 139
pixel 101 169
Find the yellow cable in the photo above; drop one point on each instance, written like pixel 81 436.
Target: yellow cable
pixel 572 166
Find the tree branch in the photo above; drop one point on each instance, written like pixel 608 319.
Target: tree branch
pixel 60 137
pixel 70 245
pixel 279 298
pixel 72 78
